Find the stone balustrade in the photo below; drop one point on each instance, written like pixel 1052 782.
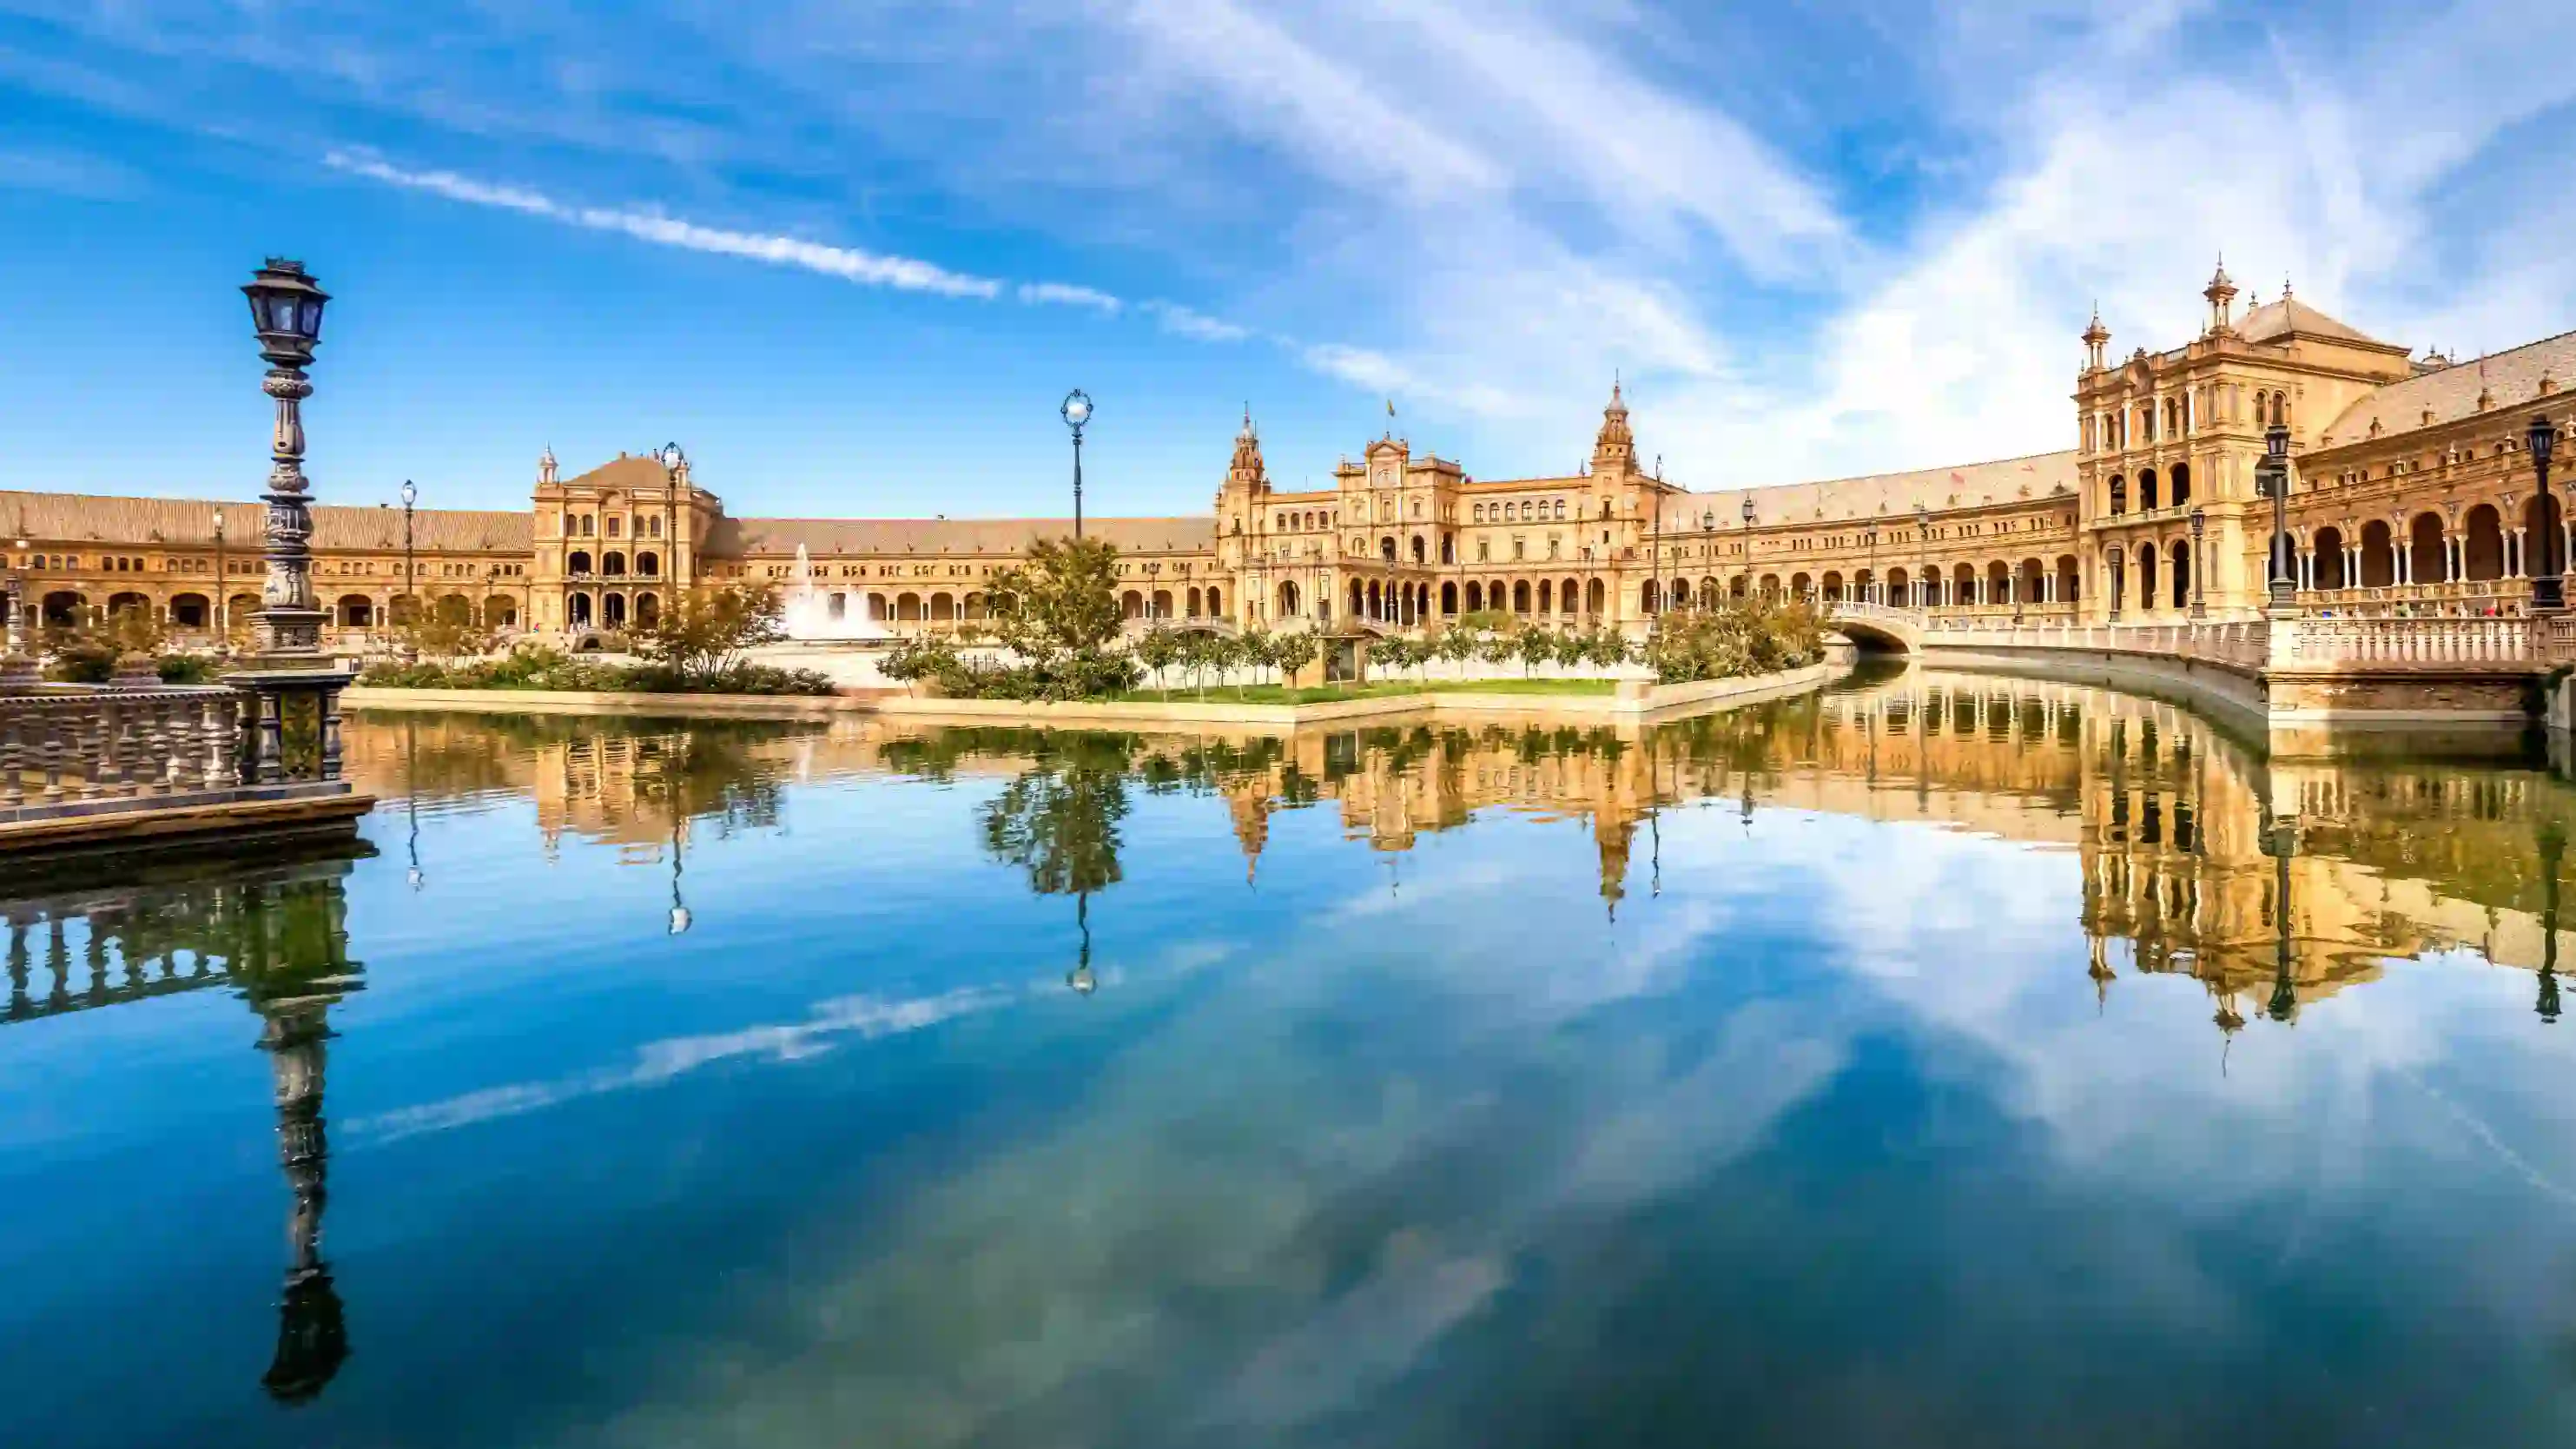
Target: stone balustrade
pixel 2413 642
pixel 69 751
pixel 2507 642
pixel 78 744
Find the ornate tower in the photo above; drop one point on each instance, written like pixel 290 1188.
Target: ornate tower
pixel 1614 449
pixel 1247 480
pixel 546 468
pixel 2221 293
pixel 2096 337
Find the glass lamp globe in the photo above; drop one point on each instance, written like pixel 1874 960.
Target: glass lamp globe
pixel 1077 409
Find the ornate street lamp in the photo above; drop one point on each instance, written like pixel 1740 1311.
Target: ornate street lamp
pixel 2275 472
pixel 411 587
pixel 1749 585
pixel 1923 555
pixel 2199 561
pixel 1077 412
pixel 2548 590
pixel 286 315
pixel 673 463
pixel 223 590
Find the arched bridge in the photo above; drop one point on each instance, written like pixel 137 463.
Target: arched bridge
pixel 1876 628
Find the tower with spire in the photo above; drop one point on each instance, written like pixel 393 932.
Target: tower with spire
pixel 2221 293
pixel 2096 337
pixel 1614 449
pixel 1247 481
pixel 546 467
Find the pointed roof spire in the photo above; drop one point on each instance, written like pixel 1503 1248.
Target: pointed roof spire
pixel 2094 331
pixel 2221 279
pixel 2285 286
pixel 1614 437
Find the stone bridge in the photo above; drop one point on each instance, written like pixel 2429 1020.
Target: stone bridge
pixel 2304 667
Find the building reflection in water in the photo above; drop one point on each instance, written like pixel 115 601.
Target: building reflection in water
pixel 278 937
pixel 2272 883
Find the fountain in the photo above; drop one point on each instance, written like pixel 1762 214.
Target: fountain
pixel 811 612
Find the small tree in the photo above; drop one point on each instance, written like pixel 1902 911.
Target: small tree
pixel 448 637
pixel 1534 646
pixel 707 630
pixel 1292 651
pixel 1252 649
pixel 1391 652
pixel 1158 649
pixel 918 658
pixel 1606 648
pixel 1457 644
pixel 1058 612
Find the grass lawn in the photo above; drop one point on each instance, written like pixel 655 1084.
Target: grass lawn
pixel 1378 689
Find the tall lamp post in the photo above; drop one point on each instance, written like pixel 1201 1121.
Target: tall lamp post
pixel 1922 555
pixel 2276 478
pixel 223 589
pixel 286 315
pixel 1747 510
pixel 673 461
pixel 1077 412
pixel 2199 563
pixel 2548 591
pixel 411 587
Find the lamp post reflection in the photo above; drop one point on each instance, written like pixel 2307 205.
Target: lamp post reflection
pixel 2553 845
pixel 287 949
pixel 411 803
pixel 2280 842
pixel 1059 823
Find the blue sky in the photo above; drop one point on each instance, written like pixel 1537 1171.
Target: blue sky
pixel 851 255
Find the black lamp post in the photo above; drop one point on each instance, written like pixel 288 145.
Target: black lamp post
pixel 223 590
pixel 1923 554
pixel 1077 412
pixel 2275 470
pixel 673 461
pixel 411 586
pixel 286 315
pixel 2548 591
pixel 2199 563
pixel 1749 584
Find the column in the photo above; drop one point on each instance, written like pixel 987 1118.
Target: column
pixel 2514 561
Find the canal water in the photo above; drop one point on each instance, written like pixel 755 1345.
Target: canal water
pixel 1934 1060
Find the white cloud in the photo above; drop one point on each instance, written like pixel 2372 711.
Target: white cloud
pixel 1182 321
pixel 869 269
pixel 1065 294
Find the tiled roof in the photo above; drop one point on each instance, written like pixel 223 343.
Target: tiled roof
pixel 190 522
pixel 2452 392
pixel 2291 316
pixel 748 537
pixel 1879 495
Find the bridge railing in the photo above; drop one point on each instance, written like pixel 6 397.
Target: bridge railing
pixel 2506 641
pixel 2509 641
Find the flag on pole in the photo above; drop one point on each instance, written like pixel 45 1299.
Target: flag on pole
pixel 1390 407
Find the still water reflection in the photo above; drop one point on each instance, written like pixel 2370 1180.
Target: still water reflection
pixel 1936 1059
